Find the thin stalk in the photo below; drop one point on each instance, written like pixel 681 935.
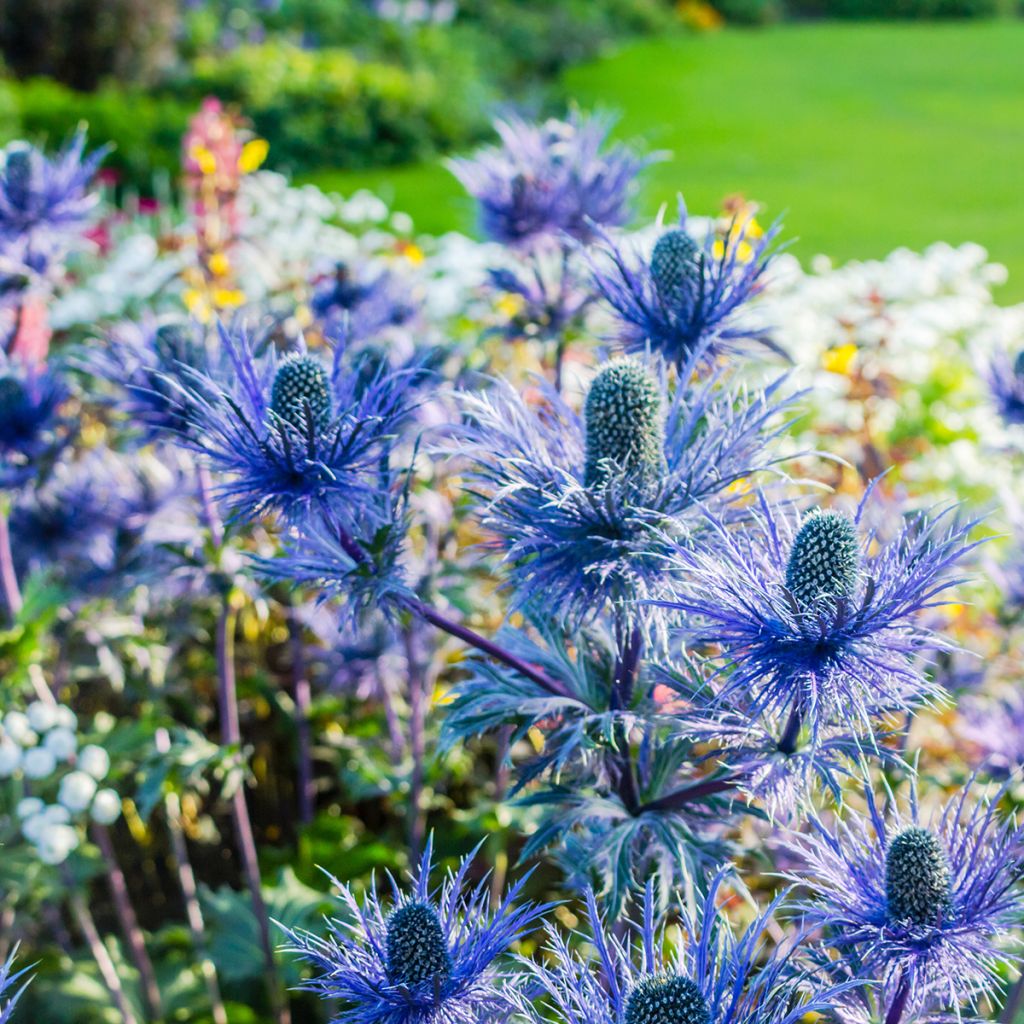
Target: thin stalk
pixel 680 797
pixel 460 632
pixel 899 1003
pixel 474 639
pixel 787 742
pixel 8 576
pixel 128 921
pixel 108 972
pixel 187 882
pixel 627 667
pixel 302 694
pixel 13 599
pixel 1014 1002
pixel 417 737
pixel 231 736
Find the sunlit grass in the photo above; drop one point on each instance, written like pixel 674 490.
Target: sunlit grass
pixel 867 137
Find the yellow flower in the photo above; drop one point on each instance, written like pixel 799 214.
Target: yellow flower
pixel 510 304
pixel 219 264
pixel 413 253
pixel 839 360
pixel 254 153
pixel 227 297
pixel 204 158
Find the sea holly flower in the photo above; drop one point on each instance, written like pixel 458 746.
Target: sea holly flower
pixel 44 202
pixel 714 976
pixel 817 618
pixel 145 360
pixel 926 908
pixel 428 956
pixel 8 978
pixel 687 297
pixel 550 178
pixel 294 431
pixel 30 423
pixel 1006 384
pixel 355 304
pixel 576 503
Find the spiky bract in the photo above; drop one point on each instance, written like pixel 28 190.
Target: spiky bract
pixel 427 957
pixel 944 931
pixel 684 311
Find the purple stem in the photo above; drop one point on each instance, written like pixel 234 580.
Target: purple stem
pixel 417 737
pixel 129 922
pixel 679 798
pixel 108 972
pixel 627 667
pixel 787 742
pixel 303 712
pixel 496 651
pixel 8 577
pixel 189 891
pixel 1013 1002
pixel 899 1003
pixel 231 736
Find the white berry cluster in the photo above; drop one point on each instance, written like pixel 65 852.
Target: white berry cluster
pixel 41 745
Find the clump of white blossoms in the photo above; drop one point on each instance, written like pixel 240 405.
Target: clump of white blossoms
pixel 40 746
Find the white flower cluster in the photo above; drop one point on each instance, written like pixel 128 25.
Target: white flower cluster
pixel 41 745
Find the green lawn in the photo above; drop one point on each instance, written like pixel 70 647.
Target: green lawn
pixel 866 137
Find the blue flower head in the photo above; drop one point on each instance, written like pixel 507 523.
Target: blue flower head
pixel 817 619
pixel 30 423
pixel 580 505
pixel 687 298
pixel 430 956
pixel 356 304
pixel 550 178
pixel 926 907
pixel 44 202
pixel 1006 384
pixel 291 432
pixel 716 976
pixel 8 978
pixel 146 361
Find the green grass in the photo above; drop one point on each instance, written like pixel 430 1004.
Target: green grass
pixel 865 136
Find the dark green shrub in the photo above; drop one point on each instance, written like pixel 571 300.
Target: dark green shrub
pixel 895 9
pixel 749 12
pixel 325 107
pixel 146 130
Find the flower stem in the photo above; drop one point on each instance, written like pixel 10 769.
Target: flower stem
pixel 303 711
pixel 496 651
pixel 417 735
pixel 1014 1002
pixel 128 921
pixel 684 795
pixel 108 972
pixel 627 667
pixel 189 892
pixel 787 742
pixel 899 1003
pixel 8 577
pixel 231 737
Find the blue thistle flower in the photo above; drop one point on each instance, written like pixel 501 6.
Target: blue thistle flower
pixel 44 202
pixel 685 301
pixel 431 957
pixel 1006 384
pixel 30 401
pixel 8 977
pixel 577 506
pixel 291 433
pixel 549 179
pixel 716 976
pixel 926 908
pixel 813 623
pixel 146 361
pixel 356 304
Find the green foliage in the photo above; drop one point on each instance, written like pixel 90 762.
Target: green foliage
pixel 145 129
pixel 750 12
pixel 886 9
